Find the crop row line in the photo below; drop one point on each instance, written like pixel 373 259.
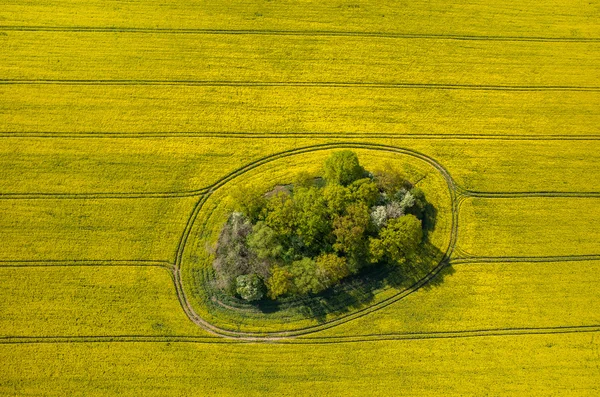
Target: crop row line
pixel 510 195
pixel 304 341
pixel 287 135
pixel 310 33
pixel 466 258
pixel 337 84
pixel 462 193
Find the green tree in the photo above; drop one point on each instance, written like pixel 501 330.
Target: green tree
pixel 305 277
pixel 250 287
pixel 349 231
pixel 389 179
pixel 343 168
pixel 331 269
pixel 280 282
pixel 398 241
pixel 364 190
pixel 263 242
pixel 303 179
pixel 250 201
pixel 337 198
pixel 312 222
pixel 281 214
pixel 419 203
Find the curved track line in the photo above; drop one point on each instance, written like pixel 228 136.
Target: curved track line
pixel 340 84
pixel 14 340
pixel 197 192
pixel 311 33
pixel 188 309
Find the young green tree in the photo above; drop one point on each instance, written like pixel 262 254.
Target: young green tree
pixel 264 243
pixel 398 241
pixel 312 221
pixel 250 201
pixel 304 277
pixel 331 269
pixel 280 282
pixel 343 168
pixel 250 287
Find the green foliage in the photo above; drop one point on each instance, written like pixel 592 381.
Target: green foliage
pixel 389 180
pixel 331 269
pixel 304 277
pixel 343 168
pixel 280 282
pixel 263 241
pixel 307 237
pixel 250 287
pixel 304 179
pixel 364 190
pixel 398 240
pixel 250 201
pixel 419 205
pixel 337 198
pixel 349 229
pixel 281 214
pixel 312 221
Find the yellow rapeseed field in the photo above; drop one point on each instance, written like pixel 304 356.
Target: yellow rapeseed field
pixel 126 125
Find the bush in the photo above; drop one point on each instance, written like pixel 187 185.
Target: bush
pixel 343 168
pixel 250 287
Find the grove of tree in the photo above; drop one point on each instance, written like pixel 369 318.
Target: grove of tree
pixel 308 236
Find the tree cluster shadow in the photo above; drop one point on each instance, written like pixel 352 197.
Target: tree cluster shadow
pixel 361 289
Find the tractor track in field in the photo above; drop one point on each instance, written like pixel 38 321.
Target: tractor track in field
pixel 275 156
pixel 335 84
pixel 302 33
pixel 457 194
pixel 402 336
pixel 466 258
pixel 278 335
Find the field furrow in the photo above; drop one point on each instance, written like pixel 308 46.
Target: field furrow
pixel 137 165
pixel 575 19
pixel 287 60
pixel 480 296
pixel 413 367
pixel 169 110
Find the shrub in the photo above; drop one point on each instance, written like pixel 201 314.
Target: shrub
pixel 280 282
pixel 250 287
pixel 304 277
pixel 343 168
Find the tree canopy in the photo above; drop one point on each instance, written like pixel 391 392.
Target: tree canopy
pixel 305 237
